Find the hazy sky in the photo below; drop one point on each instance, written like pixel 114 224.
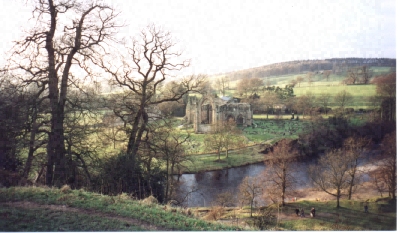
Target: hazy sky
pixel 221 36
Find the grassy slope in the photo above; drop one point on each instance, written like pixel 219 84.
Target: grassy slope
pixel 43 219
pixel 93 211
pixel 350 216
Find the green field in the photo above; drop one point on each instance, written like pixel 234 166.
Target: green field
pixel 209 162
pixel 361 94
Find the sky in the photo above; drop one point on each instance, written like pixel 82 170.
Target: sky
pixel 221 36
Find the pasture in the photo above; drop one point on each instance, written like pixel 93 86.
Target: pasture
pixel 361 94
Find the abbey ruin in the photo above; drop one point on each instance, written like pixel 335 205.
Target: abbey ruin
pixel 204 112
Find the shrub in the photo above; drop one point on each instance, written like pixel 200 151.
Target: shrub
pixel 150 200
pixel 264 220
pixel 215 213
pixel 65 189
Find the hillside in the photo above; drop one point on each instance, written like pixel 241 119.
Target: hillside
pixel 337 65
pixel 45 209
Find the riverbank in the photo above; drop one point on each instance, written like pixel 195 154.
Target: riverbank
pixel 381 214
pixel 236 158
pixel 210 162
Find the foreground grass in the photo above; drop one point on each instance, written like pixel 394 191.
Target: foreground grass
pixel 122 206
pixel 37 219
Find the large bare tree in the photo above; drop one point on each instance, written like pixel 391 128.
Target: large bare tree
pixel 67 34
pixel 150 61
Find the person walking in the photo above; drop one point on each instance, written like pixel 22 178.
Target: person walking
pixel 365 208
pixel 302 212
pixel 312 213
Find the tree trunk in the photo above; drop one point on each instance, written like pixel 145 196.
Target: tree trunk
pixel 283 186
pixel 56 141
pixel 337 198
pixel 53 93
pixel 251 208
pixel 351 183
pixel 29 160
pixel 167 188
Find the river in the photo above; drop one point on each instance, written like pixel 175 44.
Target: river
pixel 201 189
pixel 204 187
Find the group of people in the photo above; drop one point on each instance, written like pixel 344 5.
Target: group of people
pixel 312 212
pixel 301 212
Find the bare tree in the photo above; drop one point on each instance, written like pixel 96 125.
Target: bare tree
pixel 354 148
pixel 327 73
pixel 225 199
pixel 293 82
pixel 389 166
pixel 324 99
pixel 169 146
pixel 84 29
pixel 222 84
pixel 343 99
pixel 330 174
pixel 249 190
pixel 279 169
pixel 386 95
pixel 310 78
pixel 378 179
pixel 352 76
pixel 305 103
pixel 150 61
pixel 224 136
pixel 299 79
pixel 113 131
pixel 267 101
pixel 366 74
pixel 249 87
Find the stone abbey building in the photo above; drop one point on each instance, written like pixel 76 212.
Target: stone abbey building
pixel 204 112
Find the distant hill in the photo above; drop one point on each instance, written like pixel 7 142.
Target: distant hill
pixel 337 65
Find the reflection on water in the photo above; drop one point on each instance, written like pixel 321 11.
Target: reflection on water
pixel 202 188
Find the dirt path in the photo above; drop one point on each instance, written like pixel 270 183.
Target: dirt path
pixel 63 208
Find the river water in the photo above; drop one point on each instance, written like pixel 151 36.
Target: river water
pixel 201 189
